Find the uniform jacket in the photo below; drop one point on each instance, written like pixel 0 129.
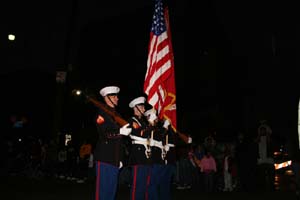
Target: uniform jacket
pixel 158 135
pixel 140 132
pixel 109 147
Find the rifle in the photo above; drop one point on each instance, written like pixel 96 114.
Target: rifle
pixel 182 136
pixel 116 116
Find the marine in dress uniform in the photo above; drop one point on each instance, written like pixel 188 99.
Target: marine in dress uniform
pixel 162 141
pixel 167 168
pixel 140 152
pixel 168 172
pixel 157 154
pixel 108 153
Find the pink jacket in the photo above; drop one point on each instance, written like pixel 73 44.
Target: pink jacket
pixel 208 164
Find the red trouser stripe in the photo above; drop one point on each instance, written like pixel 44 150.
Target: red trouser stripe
pixel 147 187
pixel 134 183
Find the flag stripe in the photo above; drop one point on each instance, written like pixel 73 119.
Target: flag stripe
pixel 157 75
pixel 161 46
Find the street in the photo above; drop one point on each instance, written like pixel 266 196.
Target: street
pixel 15 188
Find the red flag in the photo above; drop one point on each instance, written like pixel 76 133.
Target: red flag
pixel 159 82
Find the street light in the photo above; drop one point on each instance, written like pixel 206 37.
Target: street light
pixel 77 92
pixel 11 37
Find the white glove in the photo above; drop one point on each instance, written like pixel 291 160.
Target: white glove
pixel 120 165
pixel 190 140
pixel 167 148
pixel 152 118
pixel 125 130
pixel 166 124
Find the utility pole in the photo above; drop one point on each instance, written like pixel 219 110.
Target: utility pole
pixel 65 73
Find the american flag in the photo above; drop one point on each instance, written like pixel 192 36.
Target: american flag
pixel 159 83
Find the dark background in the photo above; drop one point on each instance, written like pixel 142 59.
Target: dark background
pixel 236 63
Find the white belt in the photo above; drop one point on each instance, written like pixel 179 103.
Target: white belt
pixel 136 138
pixel 170 145
pixel 158 144
pixel 140 142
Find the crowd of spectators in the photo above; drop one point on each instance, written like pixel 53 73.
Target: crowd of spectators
pixel 209 165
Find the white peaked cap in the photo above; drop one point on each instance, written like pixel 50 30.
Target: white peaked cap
pixel 109 90
pixel 149 112
pixel 136 101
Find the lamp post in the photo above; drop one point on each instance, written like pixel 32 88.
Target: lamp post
pixel 64 73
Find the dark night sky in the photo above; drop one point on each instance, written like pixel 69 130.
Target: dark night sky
pixel 235 63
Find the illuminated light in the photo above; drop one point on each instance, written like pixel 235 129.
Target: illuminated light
pixel 289 172
pixel 277 153
pixel 19 139
pixel 78 92
pixel 11 37
pixel 283 164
